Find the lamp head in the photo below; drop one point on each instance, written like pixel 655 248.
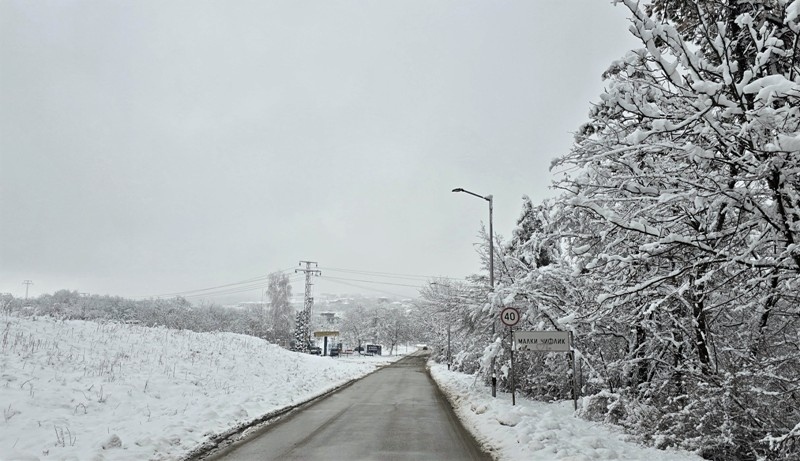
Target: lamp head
pixel 458 190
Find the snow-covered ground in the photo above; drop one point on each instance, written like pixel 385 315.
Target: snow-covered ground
pixel 534 431
pixel 75 390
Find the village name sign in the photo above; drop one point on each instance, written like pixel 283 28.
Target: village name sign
pixel 542 341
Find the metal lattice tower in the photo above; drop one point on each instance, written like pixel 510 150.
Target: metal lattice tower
pixel 309 299
pixel 27 284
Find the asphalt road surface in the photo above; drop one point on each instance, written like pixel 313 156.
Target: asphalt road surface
pixel 396 413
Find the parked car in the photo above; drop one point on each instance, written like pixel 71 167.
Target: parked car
pixel 315 351
pixel 335 352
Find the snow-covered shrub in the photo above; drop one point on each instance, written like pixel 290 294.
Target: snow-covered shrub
pixel 542 376
pixel 604 406
pixel 466 361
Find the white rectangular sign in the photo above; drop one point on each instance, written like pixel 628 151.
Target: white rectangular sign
pixel 542 341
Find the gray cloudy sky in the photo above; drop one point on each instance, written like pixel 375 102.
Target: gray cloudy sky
pixel 151 147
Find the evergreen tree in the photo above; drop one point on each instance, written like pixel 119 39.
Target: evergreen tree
pixel 301 334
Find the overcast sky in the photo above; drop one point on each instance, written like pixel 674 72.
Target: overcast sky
pixel 151 147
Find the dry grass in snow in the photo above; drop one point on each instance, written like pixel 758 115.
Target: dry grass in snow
pixel 76 390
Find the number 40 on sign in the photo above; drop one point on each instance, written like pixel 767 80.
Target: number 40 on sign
pixel 509 316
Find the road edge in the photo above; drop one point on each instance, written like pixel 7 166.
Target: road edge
pixel 219 442
pixel 490 450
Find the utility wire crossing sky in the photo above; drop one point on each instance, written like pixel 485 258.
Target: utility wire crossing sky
pixel 375 281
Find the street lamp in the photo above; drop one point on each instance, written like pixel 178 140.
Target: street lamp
pixel 489 199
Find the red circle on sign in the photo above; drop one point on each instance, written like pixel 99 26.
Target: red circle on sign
pixel 509 316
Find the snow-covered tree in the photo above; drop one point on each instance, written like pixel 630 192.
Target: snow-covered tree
pixel 396 328
pixel 458 309
pixel 353 327
pixel 673 254
pixel 686 181
pixel 279 292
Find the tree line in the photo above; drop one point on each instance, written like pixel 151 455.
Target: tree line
pixel 366 322
pixel 177 313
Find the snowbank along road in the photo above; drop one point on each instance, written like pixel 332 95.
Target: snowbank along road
pixel 396 413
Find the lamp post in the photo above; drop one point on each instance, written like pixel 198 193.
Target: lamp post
pixel 489 199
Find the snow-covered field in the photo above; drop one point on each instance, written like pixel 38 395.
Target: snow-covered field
pixel 75 390
pixel 536 431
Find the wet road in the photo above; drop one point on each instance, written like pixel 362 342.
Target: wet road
pixel 396 413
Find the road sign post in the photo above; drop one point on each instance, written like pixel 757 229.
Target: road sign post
pixel 513 381
pixel 550 341
pixel 510 317
pixel 575 387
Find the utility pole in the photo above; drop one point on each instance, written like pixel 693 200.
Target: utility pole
pixel 27 284
pixel 302 333
pixel 449 359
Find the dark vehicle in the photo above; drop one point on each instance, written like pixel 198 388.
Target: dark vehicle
pixel 335 352
pixel 315 351
pixel 424 348
pixel 359 349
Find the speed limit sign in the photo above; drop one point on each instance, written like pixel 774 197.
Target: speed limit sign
pixel 509 316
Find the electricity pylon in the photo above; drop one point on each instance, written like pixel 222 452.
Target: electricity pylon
pixel 303 326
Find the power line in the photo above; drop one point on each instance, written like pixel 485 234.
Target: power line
pixel 373 281
pixel 233 290
pixel 239 289
pixel 378 290
pixel 189 292
pixel 260 282
pixel 391 274
pixel 193 293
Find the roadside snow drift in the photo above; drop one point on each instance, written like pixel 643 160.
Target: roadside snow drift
pixel 76 390
pixel 536 431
